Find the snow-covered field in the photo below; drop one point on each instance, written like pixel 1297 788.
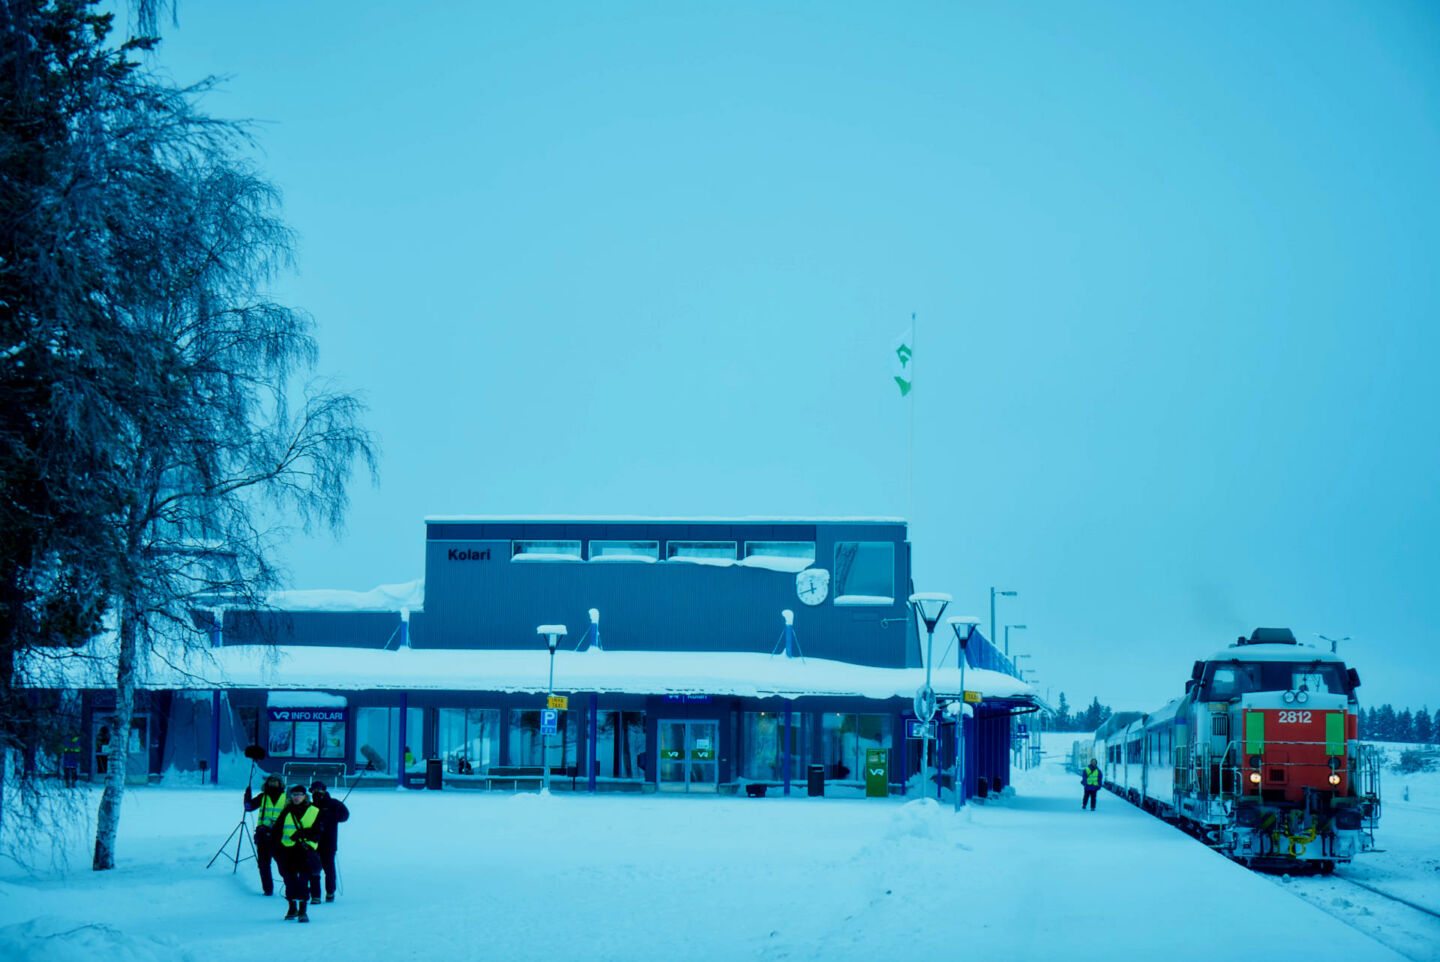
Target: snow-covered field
pixel 454 875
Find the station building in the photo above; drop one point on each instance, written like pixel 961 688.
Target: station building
pixel 700 655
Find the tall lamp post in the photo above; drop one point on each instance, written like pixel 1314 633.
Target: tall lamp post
pixel 1007 637
pixel 1002 594
pixel 964 631
pixel 553 634
pixel 929 606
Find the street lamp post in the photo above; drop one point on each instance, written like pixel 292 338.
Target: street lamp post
pixel 1007 637
pixel 553 634
pixel 1003 594
pixel 964 631
pixel 929 606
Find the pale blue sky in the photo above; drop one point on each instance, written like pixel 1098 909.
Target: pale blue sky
pixel 1173 266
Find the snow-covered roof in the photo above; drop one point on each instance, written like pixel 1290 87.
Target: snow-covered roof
pixel 631 672
pixel 639 519
pixel 409 596
pixel 1274 653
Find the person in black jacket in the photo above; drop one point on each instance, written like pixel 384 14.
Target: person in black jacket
pixel 269 802
pixel 332 813
pixel 296 840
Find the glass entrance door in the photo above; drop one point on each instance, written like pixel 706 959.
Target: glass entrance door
pixel 688 756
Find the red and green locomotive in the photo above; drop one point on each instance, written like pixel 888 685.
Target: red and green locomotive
pixel 1259 757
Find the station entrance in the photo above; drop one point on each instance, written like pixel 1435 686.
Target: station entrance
pixel 688 755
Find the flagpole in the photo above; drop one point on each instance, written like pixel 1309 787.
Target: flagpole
pixel 910 495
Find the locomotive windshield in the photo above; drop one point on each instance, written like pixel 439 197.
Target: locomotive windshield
pixel 1230 679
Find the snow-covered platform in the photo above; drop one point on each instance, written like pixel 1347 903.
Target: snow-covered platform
pixel 525 876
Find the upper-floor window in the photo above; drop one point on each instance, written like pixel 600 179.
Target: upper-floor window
pixel 701 552
pixel 864 573
pixel 779 555
pixel 545 551
pixel 624 550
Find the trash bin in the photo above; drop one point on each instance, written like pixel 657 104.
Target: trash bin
pixel 815 780
pixel 434 772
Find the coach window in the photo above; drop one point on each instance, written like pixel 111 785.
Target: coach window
pixel 545 551
pixel 864 573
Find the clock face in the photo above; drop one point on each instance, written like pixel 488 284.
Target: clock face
pixel 812 585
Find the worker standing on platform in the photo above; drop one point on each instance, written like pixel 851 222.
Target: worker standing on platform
pixel 1090 778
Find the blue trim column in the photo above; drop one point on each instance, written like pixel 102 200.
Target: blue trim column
pixel 594 732
pixel 785 752
pixel 215 737
pixel 404 724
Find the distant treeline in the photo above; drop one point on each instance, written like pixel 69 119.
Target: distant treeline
pixel 1081 721
pixel 1385 724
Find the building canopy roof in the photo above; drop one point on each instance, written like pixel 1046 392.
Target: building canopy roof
pixel 744 674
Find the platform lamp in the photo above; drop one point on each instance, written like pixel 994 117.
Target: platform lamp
pixel 553 634
pixel 1007 637
pixel 964 631
pixel 1003 594
pixel 929 606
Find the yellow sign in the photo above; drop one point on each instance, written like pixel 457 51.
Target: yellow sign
pixel 972 697
pixel 558 701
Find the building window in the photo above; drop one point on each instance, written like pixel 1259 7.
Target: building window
pixel 620 744
pixel 793 556
pixel 645 551
pixel 378 729
pixel 764 738
pixel 844 738
pixel 544 551
pixel 701 552
pixel 526 744
pixel 468 739
pixel 865 573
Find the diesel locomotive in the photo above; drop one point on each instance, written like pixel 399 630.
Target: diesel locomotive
pixel 1259 757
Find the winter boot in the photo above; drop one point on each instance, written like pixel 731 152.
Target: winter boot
pixel 303 917
pixel 329 896
pixel 291 912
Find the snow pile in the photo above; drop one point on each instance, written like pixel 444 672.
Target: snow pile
pixel 52 939
pixel 409 595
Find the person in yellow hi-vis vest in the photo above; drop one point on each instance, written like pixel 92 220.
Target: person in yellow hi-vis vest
pixel 296 839
pixel 1090 779
pixel 269 803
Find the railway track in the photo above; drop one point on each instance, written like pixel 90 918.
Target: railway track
pixel 1383 894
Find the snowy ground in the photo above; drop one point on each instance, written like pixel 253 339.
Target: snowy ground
pixel 446 875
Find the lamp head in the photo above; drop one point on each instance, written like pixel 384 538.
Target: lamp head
pixel 964 626
pixel 552 633
pixel 929 606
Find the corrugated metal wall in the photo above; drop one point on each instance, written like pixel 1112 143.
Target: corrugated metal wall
pixel 478 598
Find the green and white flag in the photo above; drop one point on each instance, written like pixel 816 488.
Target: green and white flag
pixel 902 361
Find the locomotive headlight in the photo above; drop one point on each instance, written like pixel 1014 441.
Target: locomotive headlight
pixel 1289 697
pixel 1255 778
pixel 1302 697
pixel 1334 779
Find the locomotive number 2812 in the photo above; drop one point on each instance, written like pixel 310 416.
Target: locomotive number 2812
pixel 1295 716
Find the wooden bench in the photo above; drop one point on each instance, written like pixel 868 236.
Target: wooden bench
pixel 328 772
pixel 514 775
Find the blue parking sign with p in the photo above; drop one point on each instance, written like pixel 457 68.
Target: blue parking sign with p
pixel 549 721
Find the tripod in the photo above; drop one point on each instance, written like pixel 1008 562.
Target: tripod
pixel 242 830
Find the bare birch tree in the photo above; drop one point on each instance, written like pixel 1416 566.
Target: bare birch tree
pixel 164 432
